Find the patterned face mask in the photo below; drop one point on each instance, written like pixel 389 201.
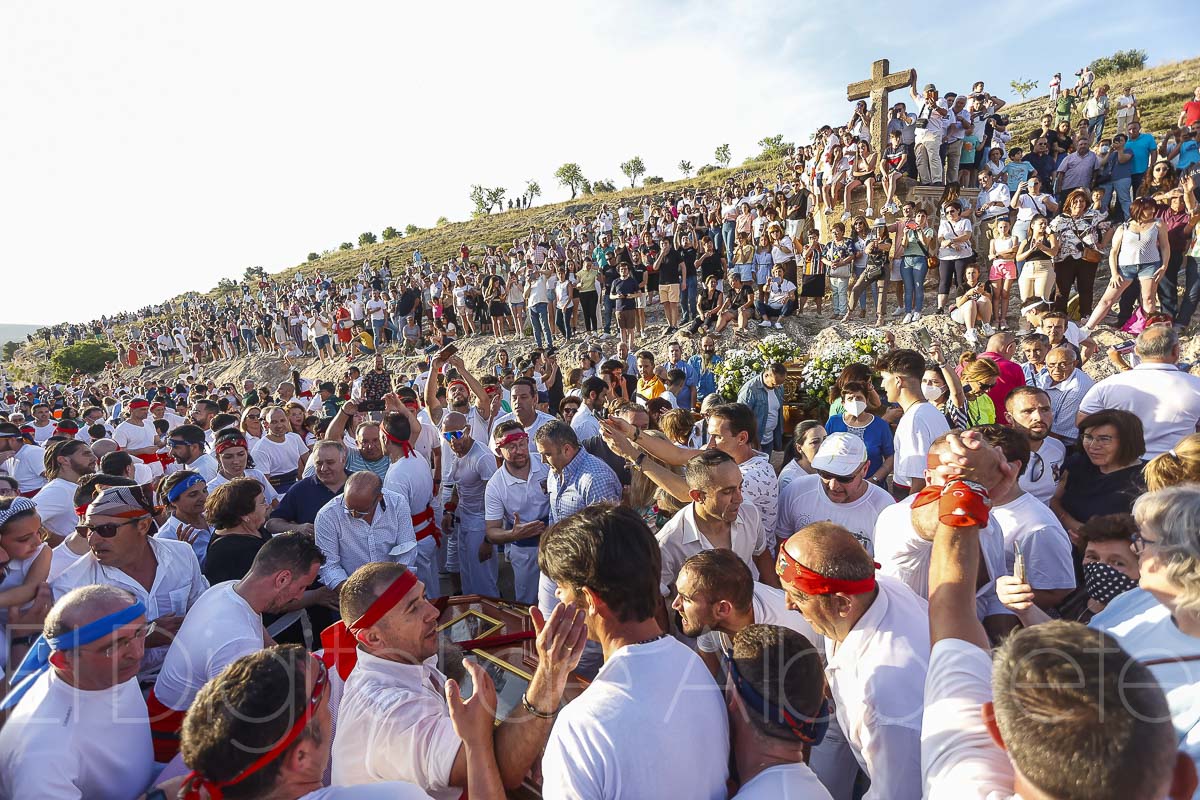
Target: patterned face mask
pixel 1103 582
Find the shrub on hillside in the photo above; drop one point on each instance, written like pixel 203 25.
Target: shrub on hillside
pixel 1120 61
pixel 390 233
pixel 346 246
pixel 604 186
pixel 409 230
pixel 707 168
pixel 313 256
pixel 774 147
pixel 88 357
pixel 652 180
pixel 366 238
pixel 440 222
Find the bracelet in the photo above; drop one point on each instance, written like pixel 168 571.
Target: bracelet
pixel 637 462
pixel 533 711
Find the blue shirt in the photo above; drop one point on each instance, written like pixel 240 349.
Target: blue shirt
pixel 1015 172
pixel 1189 153
pixel 877 436
pixel 303 500
pixel 585 481
pixel 1141 147
pixel 706 381
pixel 691 379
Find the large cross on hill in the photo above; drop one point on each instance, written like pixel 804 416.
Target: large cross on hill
pixel 877 87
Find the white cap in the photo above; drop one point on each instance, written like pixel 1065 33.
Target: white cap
pixel 840 454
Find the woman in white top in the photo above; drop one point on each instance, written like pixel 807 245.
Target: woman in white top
pixel 564 301
pixel 234 461
pixel 1140 250
pixel 1029 201
pixel 955 233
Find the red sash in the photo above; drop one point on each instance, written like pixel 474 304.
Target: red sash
pixel 148 458
pixel 165 724
pixel 35 491
pixel 425 526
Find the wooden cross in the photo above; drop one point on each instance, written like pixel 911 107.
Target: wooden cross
pixel 877 87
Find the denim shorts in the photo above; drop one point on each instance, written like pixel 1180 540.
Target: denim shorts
pixel 1131 271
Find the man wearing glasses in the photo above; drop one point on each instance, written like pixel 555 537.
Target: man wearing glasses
pixel 1066 385
pixel 474 464
pixel 364 524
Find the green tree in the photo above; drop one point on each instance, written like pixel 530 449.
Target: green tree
pixel 632 169
pixel 604 186
pixel 253 272
pixel 707 168
pixel 774 147
pixel 88 357
pixel 686 168
pixel 390 233
pixel 1023 87
pixel 313 256
pixel 366 238
pixel 586 188
pixel 652 180
pixel 9 349
pixel 1120 61
pixel 532 190
pixel 722 156
pixel 479 198
pixel 571 176
pixel 495 197
pixel 346 246
pixel 409 230
pixel 441 221
pixel 226 284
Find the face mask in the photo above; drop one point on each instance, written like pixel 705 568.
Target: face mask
pixel 931 392
pixel 1103 582
pixel 855 407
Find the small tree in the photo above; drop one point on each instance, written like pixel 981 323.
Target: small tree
pixel 495 197
pixel 722 156
pixel 346 246
pixel 585 187
pixel 479 198
pixel 707 168
pixel 441 221
pixel 652 180
pixel 1023 87
pixel 532 190
pixel 632 169
pixel 604 186
pixel 1120 61
pixel 409 230
pixel 88 357
pixel 774 147
pixel 571 176
pixel 253 272
pixel 365 239
pixel 313 256
pixel 390 233
pixel 226 284
pixel 685 167
pixel 9 349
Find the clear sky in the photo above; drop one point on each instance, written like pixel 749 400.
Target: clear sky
pixel 151 148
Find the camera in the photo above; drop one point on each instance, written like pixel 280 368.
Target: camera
pixel 370 405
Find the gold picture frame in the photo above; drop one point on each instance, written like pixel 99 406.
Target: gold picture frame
pixel 511 682
pixel 469 625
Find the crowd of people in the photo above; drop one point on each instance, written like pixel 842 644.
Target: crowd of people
pixel 970 577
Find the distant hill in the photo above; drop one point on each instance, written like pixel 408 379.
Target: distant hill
pixel 16 333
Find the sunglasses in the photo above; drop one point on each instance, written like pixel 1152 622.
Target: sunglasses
pixel 829 476
pixel 453 436
pixel 106 531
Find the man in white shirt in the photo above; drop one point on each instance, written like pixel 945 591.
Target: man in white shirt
pixel 22 460
pixel 593 395
pixel 838 493
pixel 1029 409
pixel 1166 399
pixel 1066 385
pixel 921 423
pixel 877 646
pixel 79 728
pixel 628 734
pixel 393 720
pixel 364 524
pixel 524 405
pixel 66 462
pixel 932 120
pixel 43 425
pixel 226 624
pixel 517 507
pixel 981 737
pixel 473 465
pixel 187 448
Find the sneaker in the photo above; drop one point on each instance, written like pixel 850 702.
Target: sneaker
pixel 845 216
pixel 907 318
pixel 779 326
pixel 972 337
pixel 766 323
pixel 870 212
pixel 900 311
pixel 987 328
pixel 916 315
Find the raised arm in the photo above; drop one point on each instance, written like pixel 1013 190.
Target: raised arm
pixel 432 404
pixel 482 401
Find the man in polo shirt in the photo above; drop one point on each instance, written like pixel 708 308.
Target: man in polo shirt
pixel 21 459
pixel 1166 399
pixel 66 462
pixel 525 411
pixel 649 385
pixel 517 506
pixel 1029 409
pixel 1144 148
pixel 187 448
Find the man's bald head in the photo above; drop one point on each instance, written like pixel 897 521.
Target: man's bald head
pixel 831 551
pixel 364 482
pixel 102 447
pixel 1000 340
pixel 454 421
pixel 1064 352
pixel 86 604
pixel 1158 343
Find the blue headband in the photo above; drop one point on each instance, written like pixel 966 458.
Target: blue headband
pixel 37 660
pixel 183 486
pixel 810 730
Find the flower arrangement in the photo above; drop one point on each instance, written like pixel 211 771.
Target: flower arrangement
pixel 740 366
pixel 822 370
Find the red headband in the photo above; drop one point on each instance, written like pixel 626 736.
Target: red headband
pixel 792 572
pixel 406 448
pixel 459 382
pixel 138 404
pixel 340 641
pixel 225 444
pixel 515 436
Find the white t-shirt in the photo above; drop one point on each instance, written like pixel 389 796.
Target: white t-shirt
pixel 919 426
pixel 1045 463
pixel 134 437
pixel 279 458
pixel 390 790
pixel 804 501
pixel 601 743
pixel 56 505
pixel 1164 398
pixel 782 782
pixel 1029 523
pixel 27 468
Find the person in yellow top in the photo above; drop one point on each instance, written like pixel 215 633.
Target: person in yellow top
pixel 649 385
pixel 588 296
pixel 365 341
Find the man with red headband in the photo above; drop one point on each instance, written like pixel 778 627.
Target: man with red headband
pixel 517 507
pixel 876 645
pixel 137 436
pixel 393 720
pixel 410 476
pixel 21 459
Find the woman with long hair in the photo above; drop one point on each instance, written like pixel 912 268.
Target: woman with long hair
pixel 1035 260
pixel 861 174
pixel 1140 251
pixel 233 461
pixel 251 424
pixel 1159 180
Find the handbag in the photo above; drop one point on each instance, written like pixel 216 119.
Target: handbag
pixel 1090 254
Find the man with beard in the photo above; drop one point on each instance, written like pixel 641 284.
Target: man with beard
pixel 201 414
pixel 187 448
pixel 137 436
pixel 226 624
pixel 516 490
pixel 66 462
pixel 1030 409
pixel 474 464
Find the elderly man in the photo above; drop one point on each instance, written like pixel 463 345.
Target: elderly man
pixel 839 492
pixel 516 490
pixel 1066 385
pixel 79 727
pixel 393 720
pixel 364 524
pixel 187 448
pixel 137 436
pixel 1029 409
pixel 876 633
pixel 367 452
pixel 298 508
pixel 162 573
pixel 1166 399
pixel 474 464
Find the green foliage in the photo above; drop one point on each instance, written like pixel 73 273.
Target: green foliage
pixel 1120 61
pixel 253 272
pixel 632 169
pixel 773 147
pixel 440 222
pixel 722 156
pixel 226 284
pixel 88 357
pixel 1023 87
pixel 479 199
pixel 571 176
pixel 604 186
pixel 653 180
pixel 707 168
pixel 685 167
pixel 346 246
pixel 366 238
pixel 9 349
pixel 585 187
pixel 313 257
pixel 412 230
pixel 390 233
pixel 495 197
pixel 532 189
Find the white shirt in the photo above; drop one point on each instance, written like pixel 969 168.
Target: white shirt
pixel 268 490
pixel 349 543
pixel 585 424
pixel 770 608
pixel 219 629
pixel 680 539
pixel 205 465
pixel 393 725
pixel 1065 398
pixel 531 429
pixel 959 759
pixel 761 487
pixel 412 479
pixel 42 433
pixel 1045 462
pixel 28 467
pixel 132 436
pixel 784 782
pixel 279 458
pixel 170 530
pixel 877 679
pixel 470 476
pixel 507 495
pixel 805 501
pixel 62 742
pixel 1164 398
pixel 389 790
pixel 790 472
pixel 1029 523
pixel 904 555
pixel 56 505
pixel 917 429
pixel 629 735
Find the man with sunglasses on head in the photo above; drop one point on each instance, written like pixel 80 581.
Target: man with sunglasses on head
pixel 187 448
pixel 839 492
pixel 78 726
pixel 162 573
pixel 473 465
pixel 517 506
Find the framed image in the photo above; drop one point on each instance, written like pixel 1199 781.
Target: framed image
pixel 511 682
pixel 469 625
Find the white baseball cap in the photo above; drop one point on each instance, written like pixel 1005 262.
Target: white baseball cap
pixel 840 454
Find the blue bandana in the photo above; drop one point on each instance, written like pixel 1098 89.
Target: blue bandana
pixel 178 489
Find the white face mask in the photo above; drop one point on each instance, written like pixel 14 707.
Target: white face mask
pixel 931 391
pixel 855 407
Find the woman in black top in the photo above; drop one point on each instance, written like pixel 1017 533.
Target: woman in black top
pixel 1104 476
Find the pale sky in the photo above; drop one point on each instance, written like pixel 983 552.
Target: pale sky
pixel 152 148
